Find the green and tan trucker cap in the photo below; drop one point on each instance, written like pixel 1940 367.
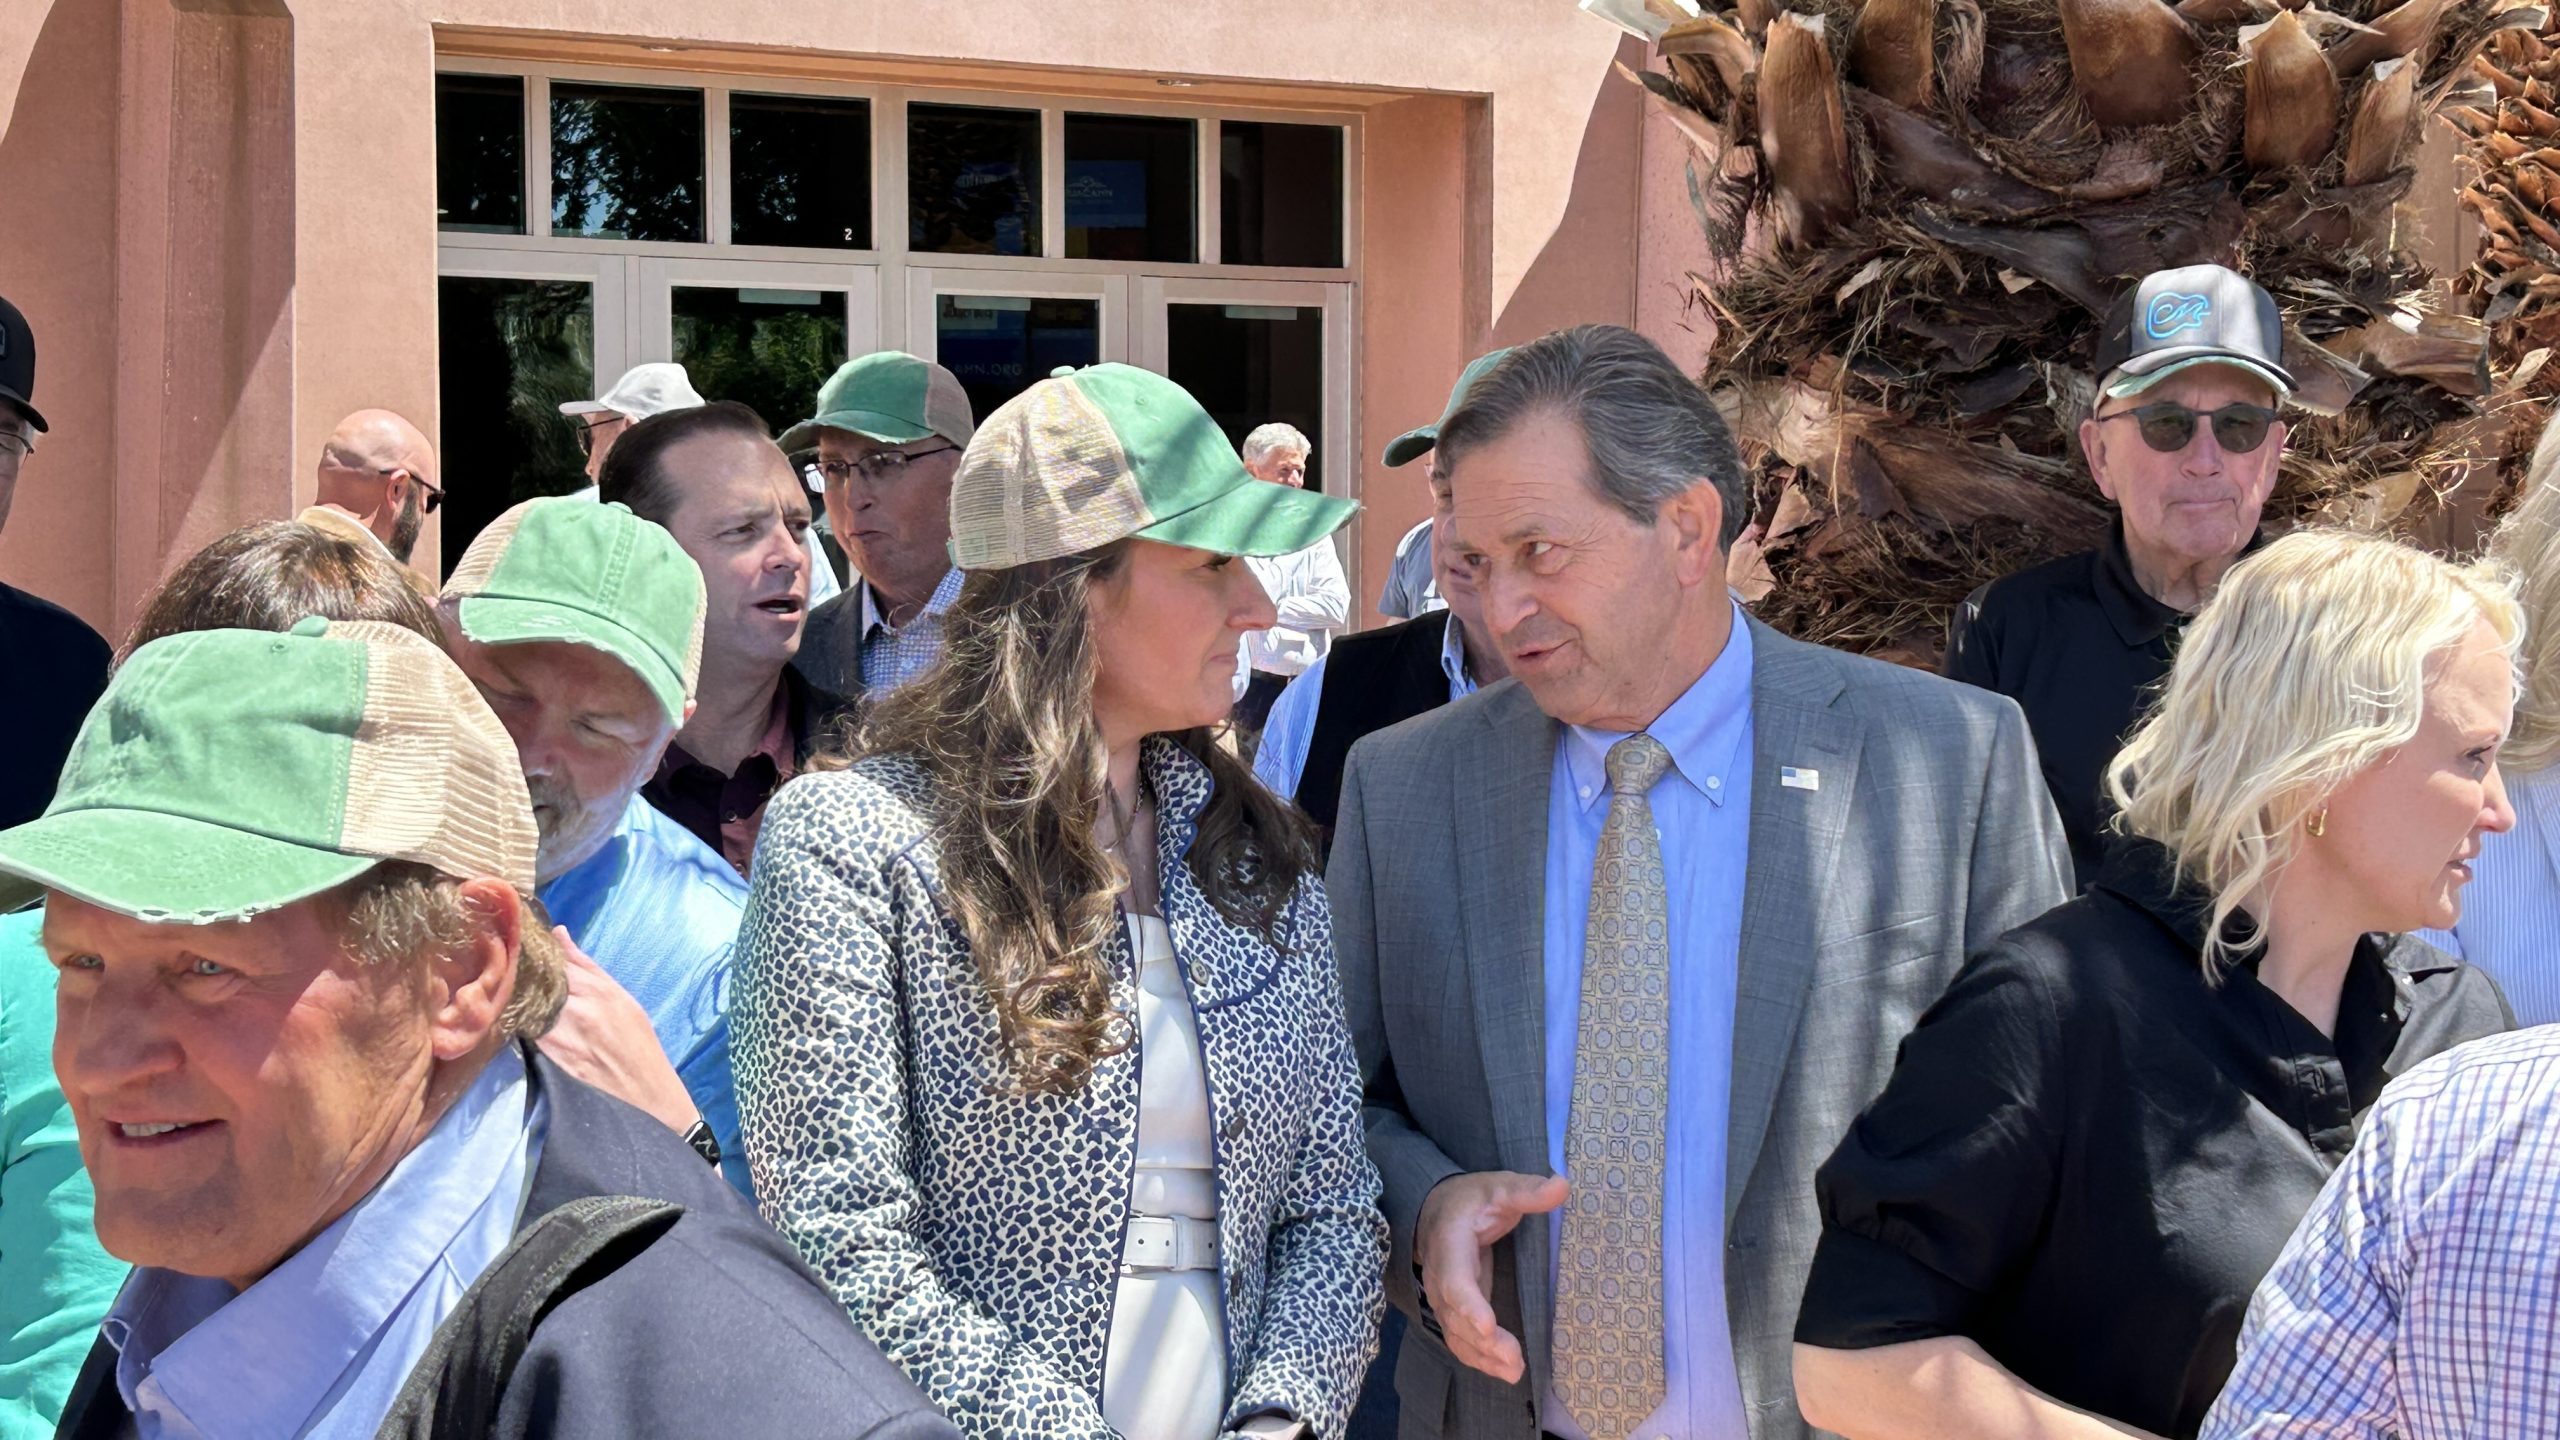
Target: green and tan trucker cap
pixel 575 572
pixel 230 772
pixel 1090 456
pixel 1417 442
pixel 892 397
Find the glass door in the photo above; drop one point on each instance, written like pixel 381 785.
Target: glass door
pixel 1252 352
pixel 1000 330
pixel 519 333
pixel 764 334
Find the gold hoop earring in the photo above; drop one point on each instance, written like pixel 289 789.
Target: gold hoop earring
pixel 2318 824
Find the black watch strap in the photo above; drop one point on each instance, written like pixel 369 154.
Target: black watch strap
pixel 704 1143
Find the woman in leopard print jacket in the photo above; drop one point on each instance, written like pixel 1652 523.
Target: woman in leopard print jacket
pixel 1040 1053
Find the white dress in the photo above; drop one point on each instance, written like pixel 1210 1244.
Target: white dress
pixel 1164 1375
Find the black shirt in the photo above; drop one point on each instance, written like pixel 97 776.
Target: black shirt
pixel 56 668
pixel 1372 680
pixel 2080 645
pixel 2088 1157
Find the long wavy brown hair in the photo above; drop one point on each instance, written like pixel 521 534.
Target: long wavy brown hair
pixel 1005 725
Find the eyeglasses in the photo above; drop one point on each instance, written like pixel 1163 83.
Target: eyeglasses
pixel 2168 426
pixel 587 432
pixel 435 494
pixel 880 467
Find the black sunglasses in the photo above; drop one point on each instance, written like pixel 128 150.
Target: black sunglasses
pixel 2168 426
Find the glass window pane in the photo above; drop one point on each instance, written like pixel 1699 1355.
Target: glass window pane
pixel 626 162
pixel 998 344
pixel 1130 188
pixel 768 349
pixel 800 171
pixel 509 353
pixel 1280 194
pixel 480 153
pixel 1249 365
pixel 973 180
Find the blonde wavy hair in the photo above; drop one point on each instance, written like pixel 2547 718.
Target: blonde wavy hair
pixel 2528 544
pixel 2309 665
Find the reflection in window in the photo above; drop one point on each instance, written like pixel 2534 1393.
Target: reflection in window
pixel 509 353
pixel 800 171
pixel 1280 194
pixel 1248 365
pixel 973 180
pixel 1130 186
pixel 767 349
pixel 626 162
pixel 480 153
pixel 999 344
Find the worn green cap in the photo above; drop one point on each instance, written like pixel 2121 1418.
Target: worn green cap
pixel 891 397
pixel 569 570
pixel 1415 443
pixel 230 772
pixel 1100 454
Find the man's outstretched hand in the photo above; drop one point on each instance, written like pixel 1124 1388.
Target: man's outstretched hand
pixel 1461 1219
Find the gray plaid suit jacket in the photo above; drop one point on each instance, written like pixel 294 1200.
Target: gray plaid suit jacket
pixel 1931 834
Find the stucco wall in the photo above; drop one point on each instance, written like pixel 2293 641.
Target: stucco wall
pixel 238 245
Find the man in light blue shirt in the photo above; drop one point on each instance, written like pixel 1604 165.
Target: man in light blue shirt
pixel 329 1335
pixel 1628 939
pixel 581 625
pixel 288 904
pixel 1702 811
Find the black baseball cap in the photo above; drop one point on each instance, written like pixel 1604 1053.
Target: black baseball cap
pixel 2173 320
pixel 18 363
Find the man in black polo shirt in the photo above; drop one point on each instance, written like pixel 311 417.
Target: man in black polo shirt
pixel 55 665
pixel 2185 440
pixel 1380 677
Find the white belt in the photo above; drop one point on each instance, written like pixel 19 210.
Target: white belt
pixel 1169 1242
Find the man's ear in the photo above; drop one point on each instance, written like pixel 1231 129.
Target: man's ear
pixel 2093 449
pixel 470 984
pixel 1695 518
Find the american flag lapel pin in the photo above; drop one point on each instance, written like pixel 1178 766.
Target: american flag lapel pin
pixel 1794 779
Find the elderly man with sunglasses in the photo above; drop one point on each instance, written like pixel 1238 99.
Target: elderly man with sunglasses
pixel 377 485
pixel 888 431
pixel 2185 439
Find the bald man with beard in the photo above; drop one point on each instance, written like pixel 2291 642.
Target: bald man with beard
pixel 378 482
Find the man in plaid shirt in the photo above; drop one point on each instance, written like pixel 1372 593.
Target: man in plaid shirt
pixel 2420 1299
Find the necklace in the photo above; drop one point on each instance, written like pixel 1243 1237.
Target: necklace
pixel 1121 822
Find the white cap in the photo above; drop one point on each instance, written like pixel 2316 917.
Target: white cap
pixel 643 391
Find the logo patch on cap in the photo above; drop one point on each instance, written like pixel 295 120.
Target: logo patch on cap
pixel 2172 313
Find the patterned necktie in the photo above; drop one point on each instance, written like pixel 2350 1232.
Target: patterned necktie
pixel 1608 1334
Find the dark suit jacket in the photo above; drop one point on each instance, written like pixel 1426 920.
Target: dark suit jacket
pixel 716 1329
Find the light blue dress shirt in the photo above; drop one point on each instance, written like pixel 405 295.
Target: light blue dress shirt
pixel 893 656
pixel 1291 726
pixel 1702 811
pixel 2510 925
pixel 659 910
pixel 320 1345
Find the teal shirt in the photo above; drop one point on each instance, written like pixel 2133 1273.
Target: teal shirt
pixel 55 1283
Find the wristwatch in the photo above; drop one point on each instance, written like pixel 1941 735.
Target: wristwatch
pixel 704 1143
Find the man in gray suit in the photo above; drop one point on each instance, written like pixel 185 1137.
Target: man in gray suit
pixel 1629 939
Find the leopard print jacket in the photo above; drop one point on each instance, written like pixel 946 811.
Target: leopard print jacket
pixel 975 1233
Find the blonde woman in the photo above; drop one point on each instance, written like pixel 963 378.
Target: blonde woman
pixel 2098 1139
pixel 1040 1051
pixel 2510 923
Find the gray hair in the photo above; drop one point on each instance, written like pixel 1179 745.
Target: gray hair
pixel 1651 431
pixel 1275 436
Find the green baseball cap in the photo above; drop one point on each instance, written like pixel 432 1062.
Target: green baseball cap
pixel 891 397
pixel 230 772
pixel 570 570
pixel 1090 456
pixel 1415 443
